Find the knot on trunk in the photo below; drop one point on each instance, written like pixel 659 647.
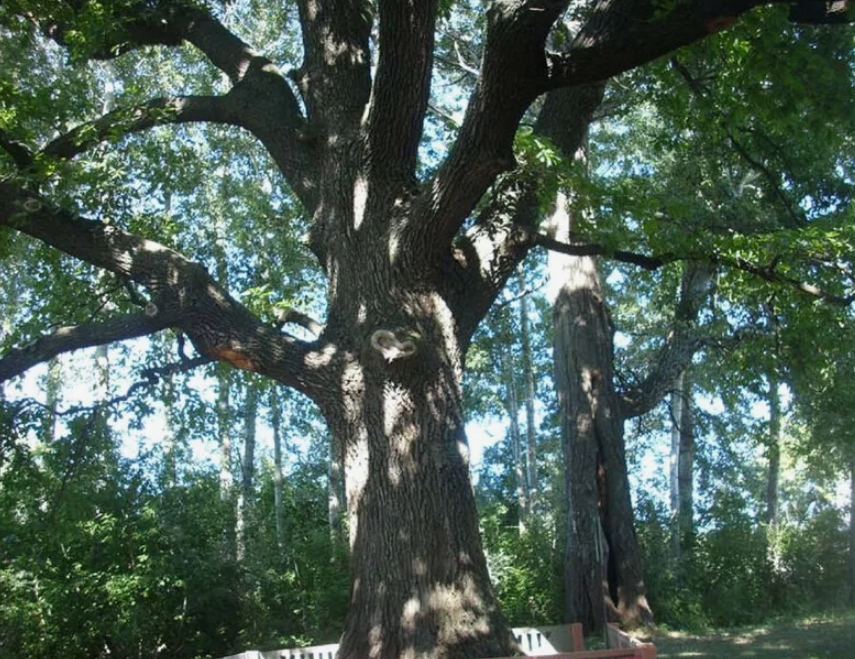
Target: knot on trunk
pixel 392 345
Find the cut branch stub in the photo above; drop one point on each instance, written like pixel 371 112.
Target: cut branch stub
pixel 391 347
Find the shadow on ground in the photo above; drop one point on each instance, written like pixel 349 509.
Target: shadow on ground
pixel 827 637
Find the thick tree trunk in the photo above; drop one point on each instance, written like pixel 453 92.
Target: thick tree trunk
pixel 577 380
pixel 602 579
pixel 419 581
pixel 626 579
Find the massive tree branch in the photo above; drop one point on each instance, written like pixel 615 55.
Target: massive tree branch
pixel 513 74
pixel 87 335
pixel 260 100
pixel 182 292
pixel 647 35
pixel 484 257
pixel 124 121
pixel 506 228
pixel 128 26
pixel 19 153
pixel 617 36
pixel 641 37
pixel 400 94
pixel 335 78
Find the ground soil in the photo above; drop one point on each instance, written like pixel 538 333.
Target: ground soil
pixel 829 636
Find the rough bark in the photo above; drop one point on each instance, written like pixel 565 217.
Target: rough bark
pixel 420 586
pixel 603 579
pixel 336 498
pixel 627 590
pixel 578 376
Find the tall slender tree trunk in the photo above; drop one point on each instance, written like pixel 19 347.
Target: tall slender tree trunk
pixel 682 464
pixel 515 437
pixel 674 464
pixel 53 385
pixel 224 438
pixel 278 479
pixel 685 464
pixel 773 452
pixel 102 391
pixel 246 495
pixel 852 528
pixel 224 433
pixel 170 457
pixel 530 393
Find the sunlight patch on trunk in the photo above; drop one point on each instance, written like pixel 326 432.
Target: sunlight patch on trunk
pixel 360 199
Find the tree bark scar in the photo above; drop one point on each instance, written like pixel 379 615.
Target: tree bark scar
pixel 235 357
pixel 719 23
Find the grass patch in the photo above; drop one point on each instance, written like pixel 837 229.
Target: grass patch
pixel 830 636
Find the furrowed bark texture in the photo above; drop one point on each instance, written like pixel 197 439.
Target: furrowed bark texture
pixel 579 364
pixel 419 581
pixel 603 579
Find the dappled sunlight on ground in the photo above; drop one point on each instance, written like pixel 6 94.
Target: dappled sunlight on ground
pixel 826 637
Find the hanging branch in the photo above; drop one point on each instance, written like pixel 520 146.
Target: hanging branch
pixel 766 272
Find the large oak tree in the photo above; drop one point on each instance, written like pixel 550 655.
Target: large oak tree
pixel 412 262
